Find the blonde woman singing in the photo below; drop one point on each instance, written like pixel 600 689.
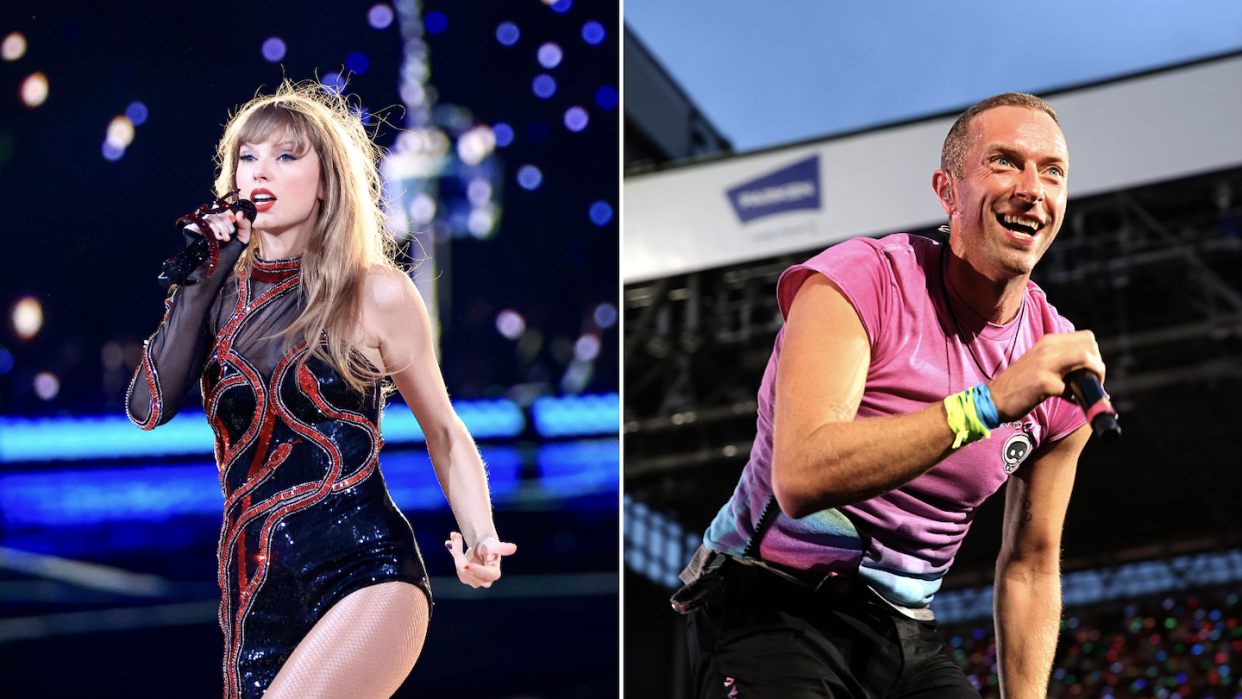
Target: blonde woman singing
pixel 291 334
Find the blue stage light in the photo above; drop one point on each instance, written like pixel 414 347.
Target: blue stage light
pixel 503 133
pixel 508 33
pixel 544 86
pixel 6 361
pixel 587 467
pixel 83 497
pixel 606 97
pixel 111 437
pixel 570 416
pixel 435 22
pixel 576 119
pixel 601 213
pixel 562 6
pixel 273 49
pixel 529 177
pixel 605 315
pixel 136 112
pixel 357 62
pixel 593 32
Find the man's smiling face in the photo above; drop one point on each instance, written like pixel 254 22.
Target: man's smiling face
pixel 1010 201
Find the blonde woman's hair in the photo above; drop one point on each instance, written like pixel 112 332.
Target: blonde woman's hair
pixel 350 235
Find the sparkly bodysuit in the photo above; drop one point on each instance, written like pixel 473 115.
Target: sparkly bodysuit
pixel 307 516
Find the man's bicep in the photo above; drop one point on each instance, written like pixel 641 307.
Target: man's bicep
pixel 1038 496
pixel 824 358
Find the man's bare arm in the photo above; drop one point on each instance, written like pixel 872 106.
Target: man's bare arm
pixel 824 458
pixel 1027 597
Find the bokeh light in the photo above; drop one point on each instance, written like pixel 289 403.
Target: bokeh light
pixel 479 191
pixel 508 33
pixel 137 113
pixel 476 144
pixel 562 6
pixel 333 83
pixel 380 16
pixel 6 361
pixel 111 153
pixel 422 209
pixel 587 347
pixel 27 317
pixel 550 55
pixel 529 177
pixel 480 221
pixel 601 213
pixel 435 22
pixel 46 385
pixel 576 118
pixel 593 32
pixel 605 315
pixel 544 85
pixel 34 90
pixel 510 323
pixel 606 97
pixel 503 133
pixel 273 49
pixel 13 47
pixel 357 62
pixel 120 132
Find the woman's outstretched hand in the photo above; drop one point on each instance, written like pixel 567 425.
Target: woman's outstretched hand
pixel 480 565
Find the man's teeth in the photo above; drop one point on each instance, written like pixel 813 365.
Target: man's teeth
pixel 1024 221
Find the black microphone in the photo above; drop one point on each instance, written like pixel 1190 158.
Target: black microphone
pixel 1095 404
pixel 177 269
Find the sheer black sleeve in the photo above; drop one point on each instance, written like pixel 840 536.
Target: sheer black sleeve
pixel 173 358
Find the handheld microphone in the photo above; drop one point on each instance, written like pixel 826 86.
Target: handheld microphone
pixel 177 269
pixel 1095 404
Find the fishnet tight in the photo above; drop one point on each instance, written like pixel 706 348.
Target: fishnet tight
pixel 364 647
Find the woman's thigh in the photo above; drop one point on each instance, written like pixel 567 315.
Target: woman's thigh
pixel 364 647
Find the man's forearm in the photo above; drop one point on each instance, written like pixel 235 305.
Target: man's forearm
pixel 846 462
pixel 1027 609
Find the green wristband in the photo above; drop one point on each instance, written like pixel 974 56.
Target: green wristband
pixel 963 418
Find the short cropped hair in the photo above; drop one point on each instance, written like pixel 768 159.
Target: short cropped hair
pixel 953 154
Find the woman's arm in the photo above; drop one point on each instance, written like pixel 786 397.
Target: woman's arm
pixel 173 358
pixel 395 322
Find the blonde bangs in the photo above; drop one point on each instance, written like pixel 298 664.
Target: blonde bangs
pixel 350 236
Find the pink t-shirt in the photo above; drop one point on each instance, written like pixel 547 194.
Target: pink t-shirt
pixel 903 542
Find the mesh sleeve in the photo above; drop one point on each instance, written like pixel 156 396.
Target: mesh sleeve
pixel 173 358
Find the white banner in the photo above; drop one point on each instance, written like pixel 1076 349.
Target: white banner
pixel 1122 134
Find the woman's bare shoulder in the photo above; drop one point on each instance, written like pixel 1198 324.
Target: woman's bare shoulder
pixel 388 290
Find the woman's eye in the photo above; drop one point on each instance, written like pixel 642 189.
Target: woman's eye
pixel 245 157
pixel 287 157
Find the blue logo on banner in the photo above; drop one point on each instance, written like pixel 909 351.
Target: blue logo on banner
pixel 789 189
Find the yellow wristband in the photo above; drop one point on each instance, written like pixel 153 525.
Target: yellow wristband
pixel 963 418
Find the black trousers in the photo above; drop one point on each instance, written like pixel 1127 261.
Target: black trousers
pixel 764 636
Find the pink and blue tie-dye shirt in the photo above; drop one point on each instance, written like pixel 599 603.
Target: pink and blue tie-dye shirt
pixel 903 542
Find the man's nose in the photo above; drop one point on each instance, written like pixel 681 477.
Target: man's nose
pixel 1030 187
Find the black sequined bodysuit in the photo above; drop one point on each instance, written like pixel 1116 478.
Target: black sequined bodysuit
pixel 307 516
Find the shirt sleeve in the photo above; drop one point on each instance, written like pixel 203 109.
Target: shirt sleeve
pixel 859 269
pixel 173 358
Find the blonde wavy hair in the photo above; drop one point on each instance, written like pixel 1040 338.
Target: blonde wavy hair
pixel 351 233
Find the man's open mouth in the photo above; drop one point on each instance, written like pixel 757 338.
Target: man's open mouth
pixel 1020 224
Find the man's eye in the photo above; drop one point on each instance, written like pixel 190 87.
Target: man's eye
pixel 1056 171
pixel 1003 161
